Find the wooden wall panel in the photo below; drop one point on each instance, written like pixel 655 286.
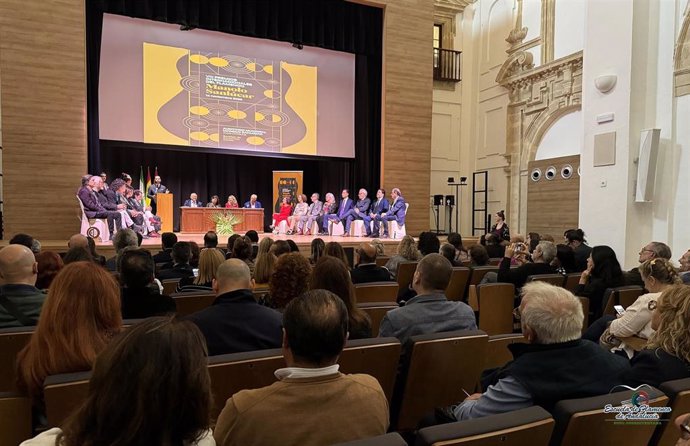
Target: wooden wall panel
pixel 553 206
pixel 43 104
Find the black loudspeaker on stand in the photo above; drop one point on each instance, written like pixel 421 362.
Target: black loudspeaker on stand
pixel 438 202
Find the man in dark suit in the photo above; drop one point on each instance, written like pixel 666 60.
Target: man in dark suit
pixel 181 253
pixel 193 201
pixel 93 207
pixel 358 212
pixel 378 208
pixel 236 322
pixel 168 240
pixel 367 270
pixel 140 297
pixel 155 189
pixel 253 203
pixel 396 212
pixel 345 206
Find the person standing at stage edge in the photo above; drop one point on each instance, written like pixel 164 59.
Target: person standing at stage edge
pixel 155 189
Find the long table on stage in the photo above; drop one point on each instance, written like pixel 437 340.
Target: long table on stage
pixel 199 219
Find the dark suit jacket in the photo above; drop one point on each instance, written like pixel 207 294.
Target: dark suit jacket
pixel 199 204
pixel 139 303
pixel 370 273
pixel 237 323
pixel 163 256
pixel 398 209
pixel 176 272
pixel 518 276
pixel 152 191
pixel 347 207
pixel 111 264
pixel 89 199
pixel 654 367
pixel 257 204
pixel 363 206
pixel 107 199
pixel 379 208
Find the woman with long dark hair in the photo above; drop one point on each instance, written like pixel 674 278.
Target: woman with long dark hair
pixel 132 402
pixel 500 228
pixel 603 271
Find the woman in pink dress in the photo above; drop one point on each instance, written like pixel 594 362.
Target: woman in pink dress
pixel 285 211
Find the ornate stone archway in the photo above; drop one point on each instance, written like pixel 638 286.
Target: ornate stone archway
pixel 682 57
pixel 538 98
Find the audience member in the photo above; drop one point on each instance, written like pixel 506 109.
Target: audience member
pixel 657 275
pixel 80 316
pixel 36 247
pixel 533 239
pixel 253 237
pixel 210 240
pixel 335 249
pixel 231 243
pixel 317 404
pixel 564 263
pixel 49 265
pixel 429 311
pixel 542 257
pixel 652 250
pixel 195 253
pixel 407 252
pixel 180 267
pixel 209 261
pixel 603 272
pixel 317 248
pixel 168 240
pixel 448 251
pixel 554 364
pixel 140 297
pixel 367 270
pixel 575 238
pixel 461 254
pixel 666 356
pixel 242 250
pixel 685 267
pixel 263 267
pixel 478 256
pixel 236 322
pixel 548 238
pixel 494 247
pixel 122 239
pixel 280 247
pixel 131 402
pixel 293 245
pixel 99 259
pixel 20 300
pixel 140 238
pixel 22 239
pixel 428 243
pixel 78 240
pixel 78 254
pixel 290 278
pixel 380 247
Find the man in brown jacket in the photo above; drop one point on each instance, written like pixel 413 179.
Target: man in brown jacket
pixel 312 403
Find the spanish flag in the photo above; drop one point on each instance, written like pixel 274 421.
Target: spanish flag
pixel 148 184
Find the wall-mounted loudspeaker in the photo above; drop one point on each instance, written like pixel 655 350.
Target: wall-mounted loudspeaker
pixel 550 173
pixel 536 174
pixel 567 171
pixel 646 164
pixel 438 200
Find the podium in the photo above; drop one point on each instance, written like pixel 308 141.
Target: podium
pixel 164 203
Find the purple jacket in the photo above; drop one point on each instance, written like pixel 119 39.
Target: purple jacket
pixel 398 209
pixel 91 204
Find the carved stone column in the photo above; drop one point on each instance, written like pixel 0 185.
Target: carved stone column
pixel 682 58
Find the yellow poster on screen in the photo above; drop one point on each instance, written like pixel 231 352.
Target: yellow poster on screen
pixel 286 183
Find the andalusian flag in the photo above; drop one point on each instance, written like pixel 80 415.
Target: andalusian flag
pixel 141 186
pixel 148 184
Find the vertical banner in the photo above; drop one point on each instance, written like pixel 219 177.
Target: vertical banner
pixel 286 183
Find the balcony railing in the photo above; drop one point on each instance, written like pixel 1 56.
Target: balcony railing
pixel 447 65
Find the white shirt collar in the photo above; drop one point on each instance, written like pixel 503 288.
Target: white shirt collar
pixel 298 372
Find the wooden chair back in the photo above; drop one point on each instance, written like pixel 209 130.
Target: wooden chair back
pixel 382 260
pixel 376 292
pixel 678 392
pixel 389 439
pixel 63 394
pixel 378 357
pixel 585 310
pixel 478 273
pixel 376 312
pixel 170 286
pixel 404 275
pixel 616 296
pixel 458 284
pixel 497 353
pixel 496 303
pixel 553 279
pixel 582 421
pixel 495 261
pixel 437 368
pixel 572 280
pixel 189 303
pixel 12 341
pixel 525 427
pixel 15 419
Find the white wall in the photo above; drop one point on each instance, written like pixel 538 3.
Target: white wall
pixel 531 18
pixel 563 138
pixel 569 27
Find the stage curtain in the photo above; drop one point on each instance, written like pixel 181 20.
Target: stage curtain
pixel 331 24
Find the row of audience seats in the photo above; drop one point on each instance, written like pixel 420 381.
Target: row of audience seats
pixel 433 373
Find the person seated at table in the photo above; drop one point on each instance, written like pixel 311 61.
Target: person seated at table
pixel 358 212
pixel 300 210
pixel 285 210
pixel 253 203
pixel 231 203
pixel 214 203
pixel 193 201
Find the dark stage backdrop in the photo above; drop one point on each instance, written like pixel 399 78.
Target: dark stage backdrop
pixel 330 24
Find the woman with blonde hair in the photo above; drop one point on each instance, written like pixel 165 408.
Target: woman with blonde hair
pixel 209 261
pixel 79 317
pixel 232 203
pixel 407 252
pixel 301 209
pixel 265 262
pixel 667 354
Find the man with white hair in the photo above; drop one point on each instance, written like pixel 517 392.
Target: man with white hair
pixel 554 364
pixel 542 256
pixel 652 250
pixel 20 300
pixel 358 212
pixel 93 207
pixel 253 202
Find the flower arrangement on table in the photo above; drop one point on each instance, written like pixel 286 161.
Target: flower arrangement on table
pixel 225 222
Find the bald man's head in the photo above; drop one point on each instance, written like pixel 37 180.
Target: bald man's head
pixel 78 241
pixel 367 253
pixel 232 275
pixel 18 265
